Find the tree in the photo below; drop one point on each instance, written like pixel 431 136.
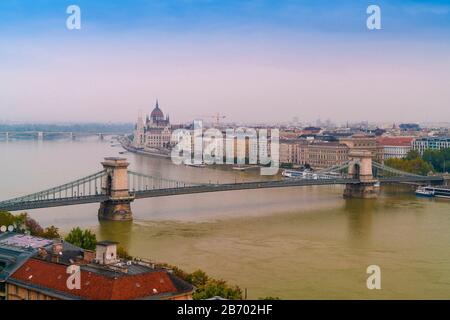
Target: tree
pixel 198 278
pixel 176 271
pixel 83 239
pixel 207 287
pixel 123 253
pixel 33 226
pixel 219 288
pixel 439 159
pixel 51 232
pixel 412 154
pixel 412 165
pixel 6 218
pixel 23 223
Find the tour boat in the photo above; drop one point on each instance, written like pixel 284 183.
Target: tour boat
pixel 424 192
pixel 189 163
pixel 433 192
pixel 291 173
pixel 440 192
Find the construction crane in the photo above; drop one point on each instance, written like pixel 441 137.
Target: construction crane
pixel 217 116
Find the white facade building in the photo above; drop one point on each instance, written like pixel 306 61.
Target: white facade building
pixel 435 143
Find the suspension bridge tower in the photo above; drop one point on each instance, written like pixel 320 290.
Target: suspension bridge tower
pixel 115 185
pixel 360 168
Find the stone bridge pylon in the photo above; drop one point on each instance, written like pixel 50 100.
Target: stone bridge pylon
pixel 115 185
pixel 360 168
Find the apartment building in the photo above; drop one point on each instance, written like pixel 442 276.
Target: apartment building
pixel 435 143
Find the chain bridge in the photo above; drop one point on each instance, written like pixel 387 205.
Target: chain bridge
pixel 115 187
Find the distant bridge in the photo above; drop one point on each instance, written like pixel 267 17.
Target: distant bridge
pixel 115 187
pixel 41 135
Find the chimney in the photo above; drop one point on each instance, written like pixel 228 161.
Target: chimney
pixel 42 253
pixel 57 249
pixel 106 252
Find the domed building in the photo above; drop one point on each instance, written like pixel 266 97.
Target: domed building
pixel 157 118
pixel 155 133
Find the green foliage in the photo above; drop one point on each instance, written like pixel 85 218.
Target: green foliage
pixel 197 278
pixel 219 288
pixel 51 232
pixel 412 155
pixel 176 271
pixel 83 239
pixel 415 166
pixel 439 159
pixel 6 218
pixel 23 223
pixel 431 160
pixel 123 253
pixel 207 287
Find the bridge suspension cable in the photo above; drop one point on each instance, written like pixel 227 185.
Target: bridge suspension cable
pixel 336 168
pixel 394 171
pixel 85 187
pixel 141 182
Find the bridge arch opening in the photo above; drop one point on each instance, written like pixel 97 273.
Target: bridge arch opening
pixel 108 184
pixel 356 171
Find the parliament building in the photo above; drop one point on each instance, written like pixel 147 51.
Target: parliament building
pixel 155 133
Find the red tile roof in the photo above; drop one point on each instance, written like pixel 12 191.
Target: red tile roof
pixel 95 286
pixel 395 141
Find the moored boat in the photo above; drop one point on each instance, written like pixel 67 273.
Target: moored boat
pixel 423 192
pixel 291 173
pixel 433 192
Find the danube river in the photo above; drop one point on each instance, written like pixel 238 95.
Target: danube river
pixel 298 243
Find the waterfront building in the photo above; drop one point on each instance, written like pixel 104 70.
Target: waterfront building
pixel 316 154
pixel 320 154
pixel 327 154
pixel 32 268
pixel 294 151
pixel 155 132
pixel 288 152
pixel 435 143
pixel 395 147
pixel 365 142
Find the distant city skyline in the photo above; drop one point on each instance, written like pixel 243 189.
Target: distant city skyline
pixel 252 61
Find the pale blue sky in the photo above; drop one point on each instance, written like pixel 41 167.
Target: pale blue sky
pixel 253 60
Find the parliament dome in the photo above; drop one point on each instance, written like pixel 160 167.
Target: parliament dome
pixel 157 114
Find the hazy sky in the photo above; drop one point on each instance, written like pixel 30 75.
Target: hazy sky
pixel 251 60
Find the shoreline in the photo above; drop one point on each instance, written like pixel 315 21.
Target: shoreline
pixel 125 144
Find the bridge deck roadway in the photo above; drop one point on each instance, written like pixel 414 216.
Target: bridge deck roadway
pixel 239 186
pixel 204 189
